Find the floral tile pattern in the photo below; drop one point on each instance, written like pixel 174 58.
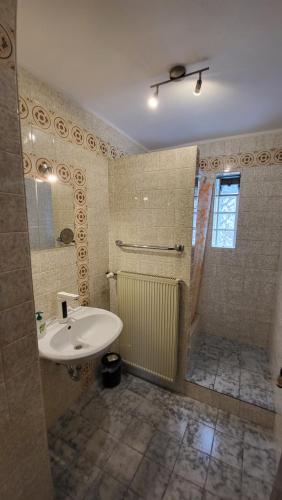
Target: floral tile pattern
pixel 37 115
pixel 218 457
pixel 252 159
pixel 231 368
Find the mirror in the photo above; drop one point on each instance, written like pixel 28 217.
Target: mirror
pixel 49 211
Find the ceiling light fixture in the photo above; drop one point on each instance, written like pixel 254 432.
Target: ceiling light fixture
pixel 177 73
pixel 198 87
pixel 153 101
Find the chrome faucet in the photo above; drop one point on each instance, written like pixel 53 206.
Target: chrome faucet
pixel 62 301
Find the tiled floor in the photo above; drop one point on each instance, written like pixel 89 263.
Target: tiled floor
pixel 232 368
pixel 138 441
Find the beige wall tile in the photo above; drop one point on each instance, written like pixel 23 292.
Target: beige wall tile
pixel 20 400
pixel 15 288
pixel 19 355
pixel 143 210
pixel 243 281
pixel 16 322
pixel 14 251
pixel 9 141
pixel 12 213
pixel 11 180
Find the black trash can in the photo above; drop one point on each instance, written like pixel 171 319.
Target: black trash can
pixel 111 369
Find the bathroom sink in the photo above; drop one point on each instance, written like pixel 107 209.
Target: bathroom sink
pixel 87 333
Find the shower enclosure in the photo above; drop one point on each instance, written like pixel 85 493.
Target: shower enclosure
pixel 234 267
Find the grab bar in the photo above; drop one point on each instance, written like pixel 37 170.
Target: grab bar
pixel 175 248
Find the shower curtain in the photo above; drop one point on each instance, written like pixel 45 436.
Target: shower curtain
pixel 203 213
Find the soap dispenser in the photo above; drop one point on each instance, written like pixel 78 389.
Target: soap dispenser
pixel 40 324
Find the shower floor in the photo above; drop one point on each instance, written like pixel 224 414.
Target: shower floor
pixel 138 442
pixel 238 370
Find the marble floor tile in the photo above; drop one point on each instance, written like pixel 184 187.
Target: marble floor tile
pixel 61 450
pixel 173 422
pixel 241 371
pixel 97 451
pixel 115 422
pixel 63 422
pixel 227 386
pixel 140 386
pixel 107 488
pixel 260 437
pixel 230 356
pixel 230 424
pixel 203 378
pixel 255 489
pixel 204 413
pixel 149 412
pixel 205 363
pixel 99 448
pixel 228 449
pixel 75 484
pixel 104 400
pixel 181 489
pixel 163 450
pixel 130 495
pixel 224 480
pixel 212 352
pixel 160 396
pixel 84 399
pixel 199 436
pixel 138 435
pixel 212 496
pixel 255 395
pixel 128 401
pixel 93 413
pixel 253 363
pixel 192 465
pixel 181 402
pixel 260 463
pixel 75 431
pixel 227 372
pixel 58 468
pixel 123 463
pixel 150 481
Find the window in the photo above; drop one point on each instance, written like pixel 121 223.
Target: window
pixel 225 210
pixel 196 197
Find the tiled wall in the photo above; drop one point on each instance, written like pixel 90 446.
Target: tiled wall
pixel 24 463
pixel 276 343
pixel 151 201
pixel 239 286
pixel 56 269
pixel 43 138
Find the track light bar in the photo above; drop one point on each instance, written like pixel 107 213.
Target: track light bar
pixel 165 82
pixel 177 73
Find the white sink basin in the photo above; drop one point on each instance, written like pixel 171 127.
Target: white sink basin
pixel 88 332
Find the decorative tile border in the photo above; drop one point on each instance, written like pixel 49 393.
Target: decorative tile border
pixel 6 45
pixel 75 177
pixel 262 158
pixel 48 121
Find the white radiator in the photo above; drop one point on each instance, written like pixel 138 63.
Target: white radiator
pixel 149 308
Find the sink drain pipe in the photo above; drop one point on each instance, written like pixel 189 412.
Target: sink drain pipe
pixel 74 372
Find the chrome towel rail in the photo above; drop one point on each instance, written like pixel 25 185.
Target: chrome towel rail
pixel 175 248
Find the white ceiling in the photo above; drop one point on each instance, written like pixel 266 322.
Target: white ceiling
pixel 106 53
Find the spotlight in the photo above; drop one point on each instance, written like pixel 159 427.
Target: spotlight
pixel 47 173
pixel 153 101
pixel 197 90
pixel 52 178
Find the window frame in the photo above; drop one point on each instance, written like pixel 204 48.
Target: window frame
pixel 217 213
